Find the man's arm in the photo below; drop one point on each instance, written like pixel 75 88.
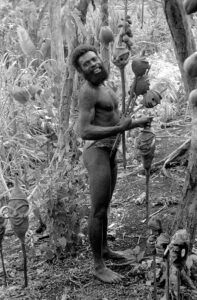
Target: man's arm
pixel 87 130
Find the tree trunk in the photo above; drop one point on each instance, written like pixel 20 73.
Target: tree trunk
pixel 187 214
pixel 105 49
pixel 65 223
pixel 184 46
pixel 34 33
pixel 13 4
pixel 76 88
pixel 67 89
pixel 83 9
pixel 57 49
pixel 57 53
pixel 183 41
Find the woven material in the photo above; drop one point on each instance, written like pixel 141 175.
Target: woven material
pixel 106 142
pixel 145 142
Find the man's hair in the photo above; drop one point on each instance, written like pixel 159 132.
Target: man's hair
pixel 78 52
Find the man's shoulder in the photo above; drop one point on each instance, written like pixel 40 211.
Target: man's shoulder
pixel 86 91
pixel 86 87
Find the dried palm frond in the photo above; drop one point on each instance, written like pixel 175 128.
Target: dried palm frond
pixel 72 25
pixel 26 44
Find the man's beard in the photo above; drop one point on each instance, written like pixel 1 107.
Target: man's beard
pixel 96 78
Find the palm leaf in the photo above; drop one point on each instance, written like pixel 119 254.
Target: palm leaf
pixel 26 44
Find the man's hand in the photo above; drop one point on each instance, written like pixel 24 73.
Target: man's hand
pixel 144 121
pixel 125 124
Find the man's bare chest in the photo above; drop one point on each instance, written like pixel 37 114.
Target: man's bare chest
pixel 106 100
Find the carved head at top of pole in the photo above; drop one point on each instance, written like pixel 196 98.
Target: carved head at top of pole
pixel 18 210
pixel 122 45
pixel 155 229
pixel 179 248
pixel 162 243
pixel 18 204
pixel 155 226
pixel 106 35
pixel 121 56
pixel 140 66
pixel 145 143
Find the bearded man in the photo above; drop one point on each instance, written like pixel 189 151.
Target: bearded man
pixel 99 124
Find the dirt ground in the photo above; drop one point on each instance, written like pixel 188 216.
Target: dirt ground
pixel 72 278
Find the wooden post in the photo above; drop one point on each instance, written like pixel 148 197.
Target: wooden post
pixel 104 48
pixel 122 72
pixel 2 232
pixel 145 143
pixel 167 287
pixel 187 216
pixel 3 266
pixel 182 37
pixel 57 49
pixel 123 97
pixel 154 274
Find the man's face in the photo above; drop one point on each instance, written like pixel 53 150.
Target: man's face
pixel 93 68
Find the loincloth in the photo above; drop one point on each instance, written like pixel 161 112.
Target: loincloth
pixel 108 142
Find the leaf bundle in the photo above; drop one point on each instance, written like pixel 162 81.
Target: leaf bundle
pixel 26 44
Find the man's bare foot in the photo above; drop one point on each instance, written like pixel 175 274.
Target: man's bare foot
pixel 126 254
pixel 107 275
pixel 110 254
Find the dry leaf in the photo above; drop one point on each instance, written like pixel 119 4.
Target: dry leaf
pixel 140 200
pixel 25 42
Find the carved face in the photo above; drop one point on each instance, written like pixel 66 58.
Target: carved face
pixel 151 99
pixel 93 68
pixel 121 57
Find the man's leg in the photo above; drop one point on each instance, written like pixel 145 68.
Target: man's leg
pixel 107 252
pixel 98 165
pixel 105 226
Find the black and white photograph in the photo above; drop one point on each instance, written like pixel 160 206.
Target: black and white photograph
pixel 98 149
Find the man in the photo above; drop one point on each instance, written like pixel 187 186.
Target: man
pixel 99 123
